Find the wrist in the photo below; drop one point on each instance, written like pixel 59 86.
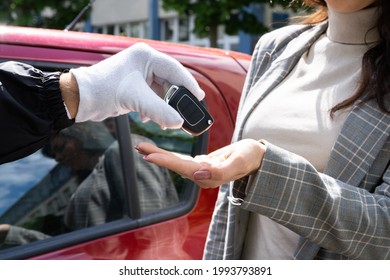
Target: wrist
pixel 70 94
pixel 261 148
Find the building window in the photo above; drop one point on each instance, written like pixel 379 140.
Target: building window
pixel 184 30
pixel 167 29
pixel 98 29
pixel 122 30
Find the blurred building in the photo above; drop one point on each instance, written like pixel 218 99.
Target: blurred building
pixel 147 19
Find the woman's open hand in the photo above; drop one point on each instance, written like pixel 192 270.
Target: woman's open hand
pixel 209 171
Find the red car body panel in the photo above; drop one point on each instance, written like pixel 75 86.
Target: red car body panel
pixel 220 73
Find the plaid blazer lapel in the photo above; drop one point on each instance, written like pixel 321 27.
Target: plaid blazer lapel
pixel 363 135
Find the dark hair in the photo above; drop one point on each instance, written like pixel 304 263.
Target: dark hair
pixel 375 76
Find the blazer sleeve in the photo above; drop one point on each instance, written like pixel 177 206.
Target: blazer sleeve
pixel 31 109
pixel 342 218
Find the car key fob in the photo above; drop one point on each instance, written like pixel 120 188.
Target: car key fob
pixel 196 118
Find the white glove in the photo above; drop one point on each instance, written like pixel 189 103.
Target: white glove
pixel 134 79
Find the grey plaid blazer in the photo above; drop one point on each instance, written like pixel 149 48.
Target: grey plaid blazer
pixel 342 213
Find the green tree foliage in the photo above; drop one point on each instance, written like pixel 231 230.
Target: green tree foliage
pixel 40 13
pixel 233 14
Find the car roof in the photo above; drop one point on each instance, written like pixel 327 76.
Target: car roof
pixel 108 44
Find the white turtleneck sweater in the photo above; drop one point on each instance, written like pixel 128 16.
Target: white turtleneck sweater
pixel 295 115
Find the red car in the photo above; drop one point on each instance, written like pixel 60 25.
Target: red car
pixel 88 195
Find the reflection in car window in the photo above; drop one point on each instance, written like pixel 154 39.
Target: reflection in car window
pixel 17 178
pixel 77 181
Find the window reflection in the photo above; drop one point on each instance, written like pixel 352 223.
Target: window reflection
pixel 76 182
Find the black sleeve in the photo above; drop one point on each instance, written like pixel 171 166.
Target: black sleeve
pixel 31 109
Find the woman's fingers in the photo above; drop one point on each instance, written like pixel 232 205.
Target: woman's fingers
pixel 181 164
pixel 145 148
pixel 184 166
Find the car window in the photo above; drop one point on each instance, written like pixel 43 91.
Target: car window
pixel 78 181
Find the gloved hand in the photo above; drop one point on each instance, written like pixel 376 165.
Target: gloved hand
pixel 134 79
